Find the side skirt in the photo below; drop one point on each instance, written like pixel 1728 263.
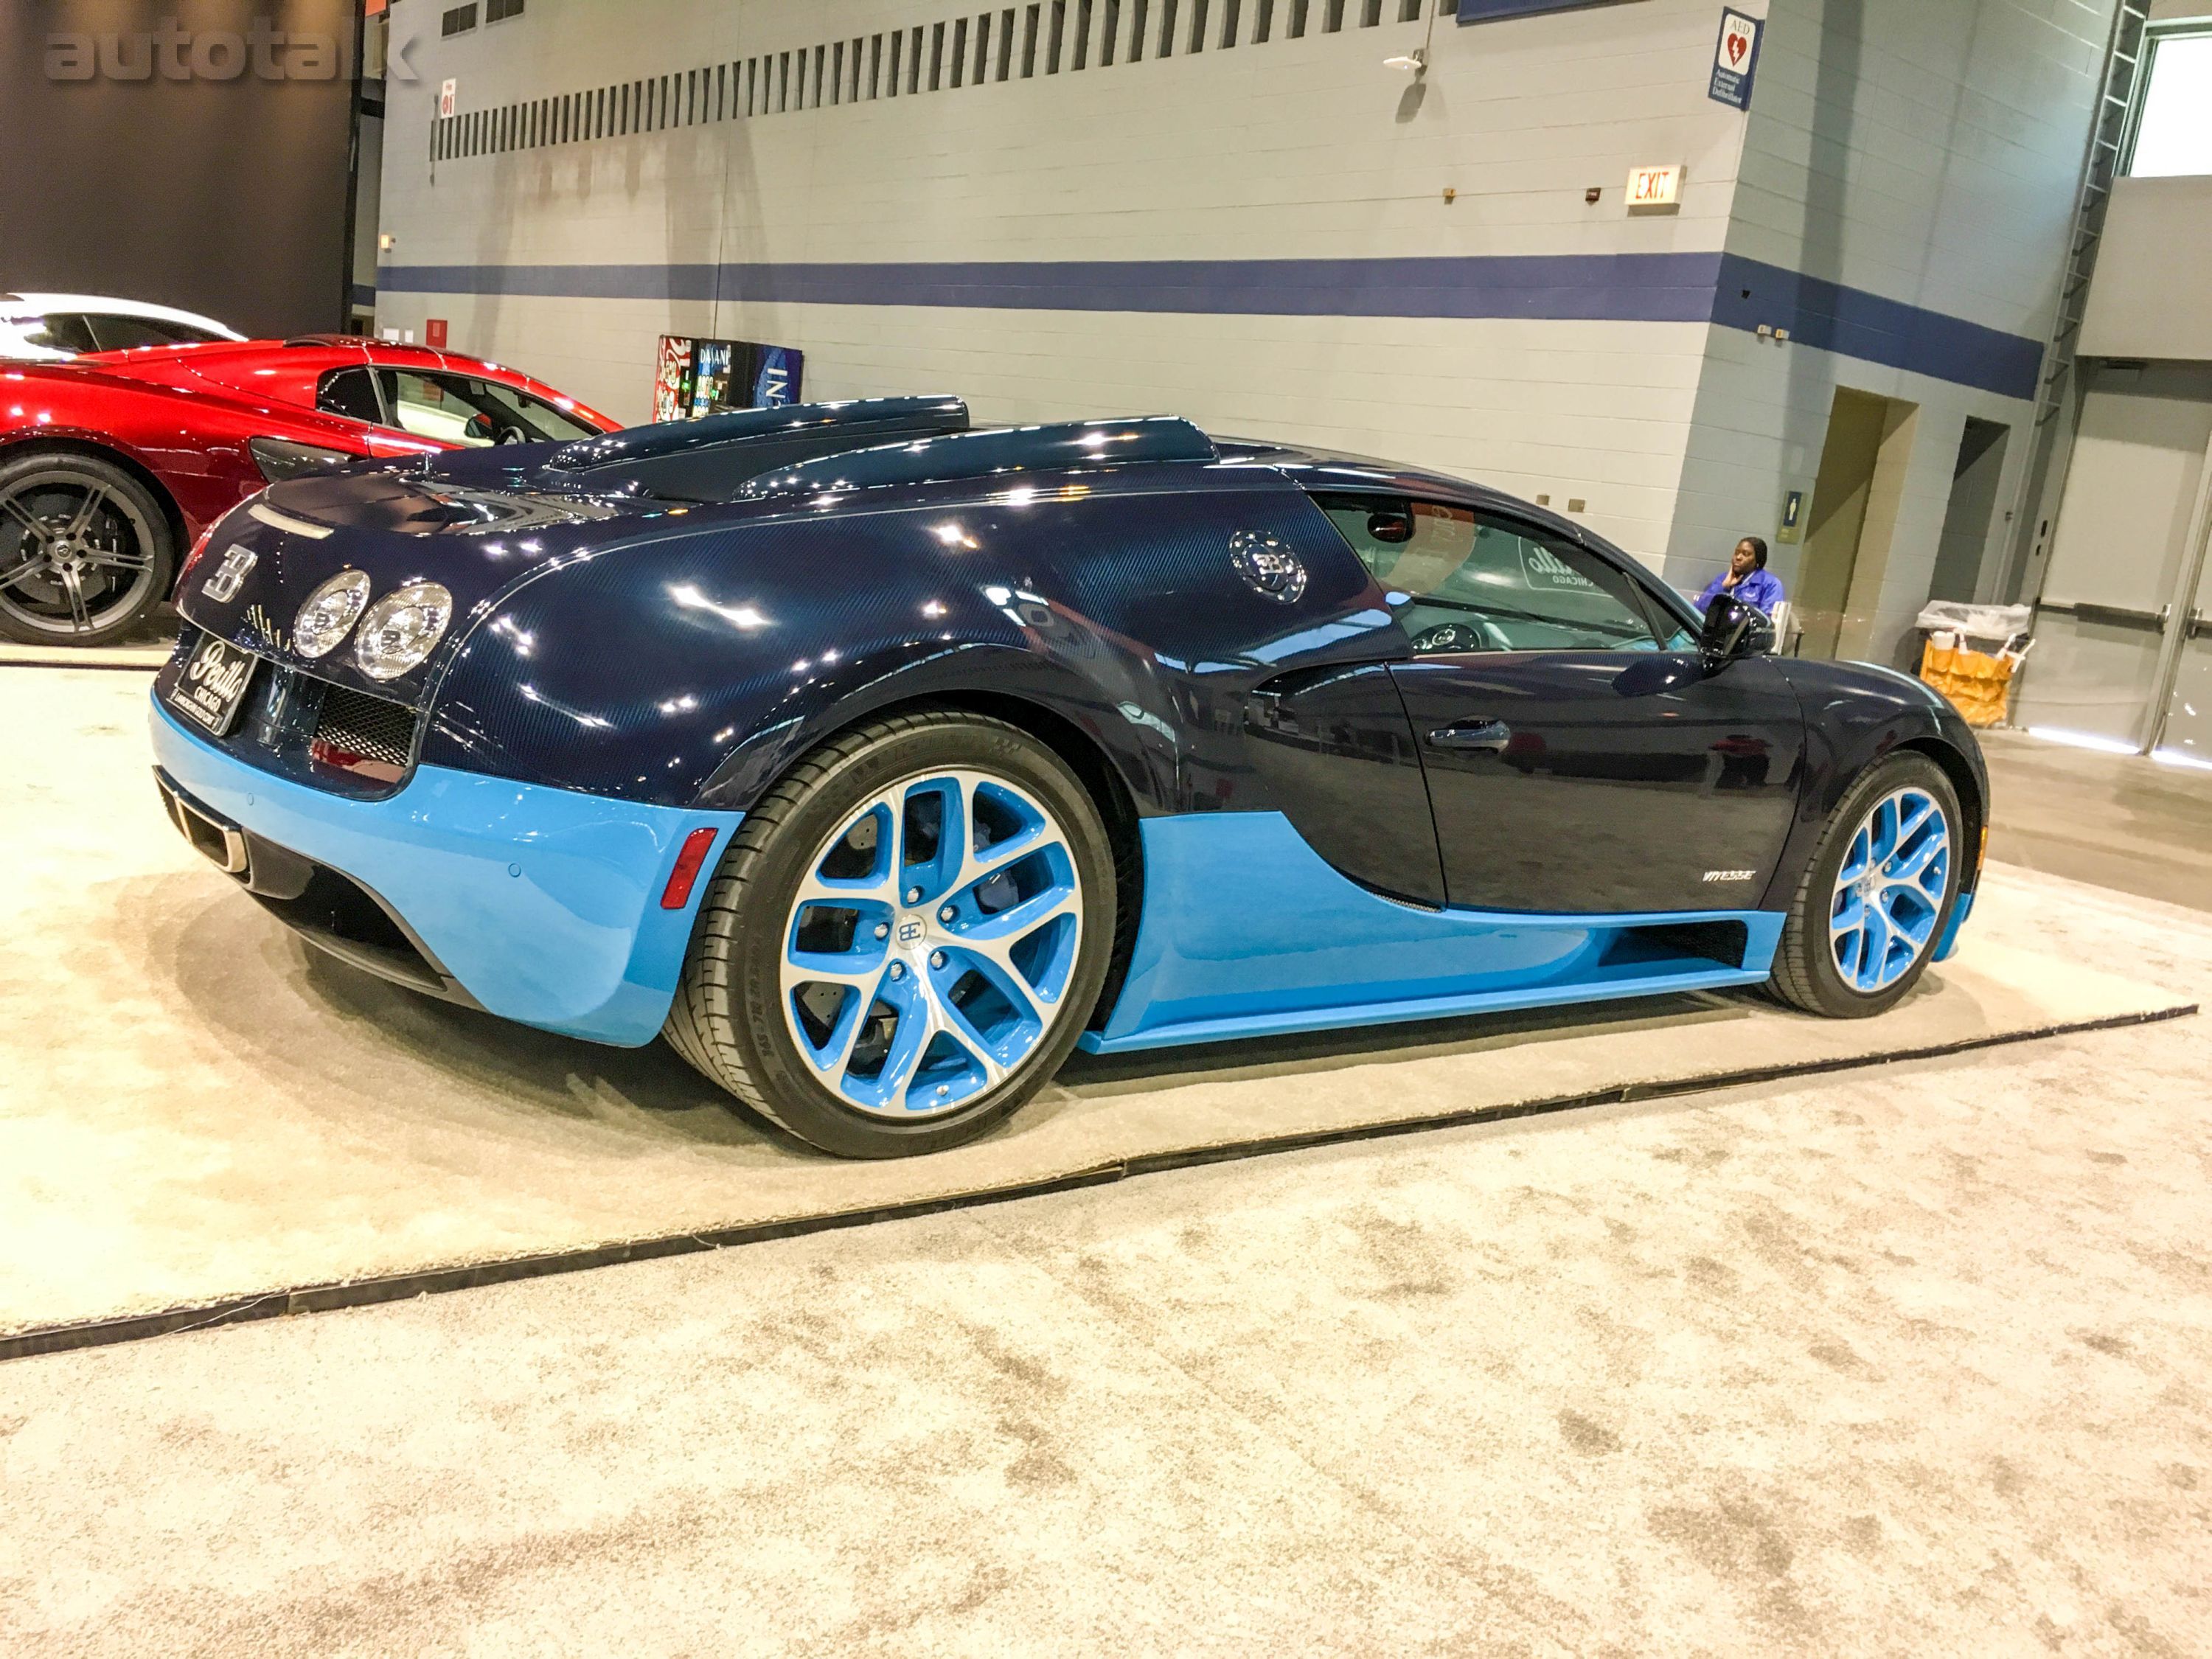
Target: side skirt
pixel 1248 931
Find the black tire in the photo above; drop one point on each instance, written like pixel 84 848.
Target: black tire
pixel 1806 972
pixel 728 1018
pixel 86 551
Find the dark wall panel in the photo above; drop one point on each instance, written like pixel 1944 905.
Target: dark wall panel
pixel 195 153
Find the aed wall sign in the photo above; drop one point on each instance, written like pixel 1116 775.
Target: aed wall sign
pixel 1736 59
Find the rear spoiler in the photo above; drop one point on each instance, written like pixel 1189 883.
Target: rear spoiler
pixel 1067 445
pixel 711 459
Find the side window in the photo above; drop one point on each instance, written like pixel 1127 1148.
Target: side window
pixel 182 333
pixel 533 416
pixel 1461 581
pixel 421 405
pixel 1673 636
pixel 458 409
pixel 129 333
pixel 60 330
pixel 351 393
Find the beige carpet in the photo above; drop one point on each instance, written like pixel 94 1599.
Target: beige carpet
pixel 1907 1360
pixel 194 1106
pixel 1896 1363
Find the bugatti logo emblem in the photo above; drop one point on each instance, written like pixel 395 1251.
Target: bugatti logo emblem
pixel 222 587
pixel 911 928
pixel 1267 566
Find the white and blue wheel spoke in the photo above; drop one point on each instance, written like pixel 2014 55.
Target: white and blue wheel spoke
pixel 929 948
pixel 1890 890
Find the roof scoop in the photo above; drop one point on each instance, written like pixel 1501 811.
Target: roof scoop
pixel 710 459
pixel 1069 446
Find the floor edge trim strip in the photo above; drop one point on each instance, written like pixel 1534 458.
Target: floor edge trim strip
pixel 402 1287
pixel 7 661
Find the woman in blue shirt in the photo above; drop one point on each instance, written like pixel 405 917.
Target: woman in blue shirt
pixel 1747 578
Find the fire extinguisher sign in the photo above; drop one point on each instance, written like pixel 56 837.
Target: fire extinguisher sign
pixel 1736 59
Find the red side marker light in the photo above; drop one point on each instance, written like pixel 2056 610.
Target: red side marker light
pixel 697 846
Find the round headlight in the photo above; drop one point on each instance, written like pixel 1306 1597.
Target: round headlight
pixel 330 614
pixel 401 628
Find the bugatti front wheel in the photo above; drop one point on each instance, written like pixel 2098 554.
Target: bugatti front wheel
pixel 1878 893
pixel 904 938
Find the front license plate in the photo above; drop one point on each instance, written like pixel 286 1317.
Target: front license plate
pixel 213 686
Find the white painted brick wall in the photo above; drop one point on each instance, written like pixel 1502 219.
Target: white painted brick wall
pixel 1927 152
pixel 1924 155
pixel 1305 147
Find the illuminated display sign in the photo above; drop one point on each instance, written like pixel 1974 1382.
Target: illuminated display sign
pixel 693 378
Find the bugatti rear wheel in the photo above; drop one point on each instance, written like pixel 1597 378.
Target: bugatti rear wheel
pixel 904 938
pixel 85 550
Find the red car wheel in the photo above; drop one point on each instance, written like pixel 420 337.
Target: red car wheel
pixel 85 550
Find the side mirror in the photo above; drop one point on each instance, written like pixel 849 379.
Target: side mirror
pixel 1734 629
pixel 1390 528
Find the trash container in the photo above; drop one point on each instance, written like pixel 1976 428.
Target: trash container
pixel 1976 681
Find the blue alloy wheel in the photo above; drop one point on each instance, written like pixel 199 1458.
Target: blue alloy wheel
pixel 1890 890
pixel 930 947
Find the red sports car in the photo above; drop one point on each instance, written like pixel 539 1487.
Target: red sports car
pixel 112 464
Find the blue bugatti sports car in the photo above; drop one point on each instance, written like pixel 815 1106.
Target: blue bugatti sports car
pixel 877 762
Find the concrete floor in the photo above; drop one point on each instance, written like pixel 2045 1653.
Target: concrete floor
pixel 2116 821
pixel 145 647
pixel 1909 1361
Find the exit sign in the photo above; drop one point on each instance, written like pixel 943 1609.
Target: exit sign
pixel 1655 187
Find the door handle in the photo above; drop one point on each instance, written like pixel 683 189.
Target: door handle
pixel 1490 735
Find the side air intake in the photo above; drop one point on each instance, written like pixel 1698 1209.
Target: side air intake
pixel 1070 445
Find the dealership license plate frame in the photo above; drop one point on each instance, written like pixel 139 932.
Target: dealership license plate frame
pixel 216 712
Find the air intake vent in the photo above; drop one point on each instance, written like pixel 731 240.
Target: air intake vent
pixel 1076 445
pixel 369 737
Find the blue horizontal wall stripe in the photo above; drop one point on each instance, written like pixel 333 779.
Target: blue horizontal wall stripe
pixel 1490 11
pixel 1854 323
pixel 1650 288
pixel 1674 287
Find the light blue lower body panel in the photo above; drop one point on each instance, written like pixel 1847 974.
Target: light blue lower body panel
pixel 1246 930
pixel 1948 944
pixel 543 903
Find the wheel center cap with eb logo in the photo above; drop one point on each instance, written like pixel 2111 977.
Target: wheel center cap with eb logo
pixel 911 929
